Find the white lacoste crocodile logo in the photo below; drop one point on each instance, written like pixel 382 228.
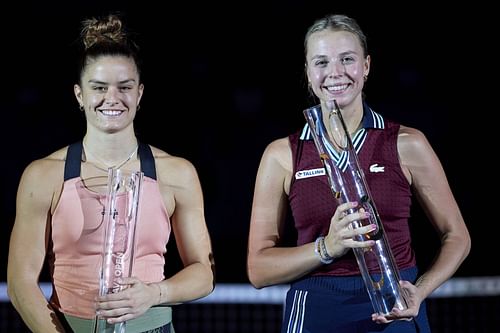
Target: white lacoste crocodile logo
pixel 376 168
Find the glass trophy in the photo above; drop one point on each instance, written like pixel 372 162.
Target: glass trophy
pixel 346 179
pixel 120 220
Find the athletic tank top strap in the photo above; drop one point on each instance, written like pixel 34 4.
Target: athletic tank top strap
pixel 297 146
pixel 73 161
pixel 147 160
pixel 72 165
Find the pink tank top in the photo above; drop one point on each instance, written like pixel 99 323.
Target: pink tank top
pixel 77 244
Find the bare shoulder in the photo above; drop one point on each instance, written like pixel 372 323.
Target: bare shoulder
pixel 412 141
pixel 279 151
pixel 416 155
pixel 47 168
pixel 410 134
pixel 278 146
pixel 42 179
pixel 171 168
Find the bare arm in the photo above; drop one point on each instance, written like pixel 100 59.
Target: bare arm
pixel 28 248
pixel 427 177
pixel 430 184
pixel 268 264
pixel 196 279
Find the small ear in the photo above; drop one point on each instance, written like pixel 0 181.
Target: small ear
pixel 141 91
pixel 78 94
pixel 367 65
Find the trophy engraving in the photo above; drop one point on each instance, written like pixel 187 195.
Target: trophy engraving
pixel 120 220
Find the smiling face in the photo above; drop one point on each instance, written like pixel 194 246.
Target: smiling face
pixel 109 92
pixel 336 66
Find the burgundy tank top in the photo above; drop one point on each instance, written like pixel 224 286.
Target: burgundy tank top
pixel 312 202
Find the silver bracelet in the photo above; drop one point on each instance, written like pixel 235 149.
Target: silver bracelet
pixel 321 252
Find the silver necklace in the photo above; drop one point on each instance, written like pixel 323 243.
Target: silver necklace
pixel 116 166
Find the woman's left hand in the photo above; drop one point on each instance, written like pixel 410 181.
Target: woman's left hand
pixel 413 300
pixel 134 300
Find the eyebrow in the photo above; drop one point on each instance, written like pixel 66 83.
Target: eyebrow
pixel 348 53
pixel 340 54
pixel 121 82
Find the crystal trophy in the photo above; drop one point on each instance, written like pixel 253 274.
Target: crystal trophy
pixel 120 220
pixel 347 182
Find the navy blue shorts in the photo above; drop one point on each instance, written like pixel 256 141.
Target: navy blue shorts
pixel 341 304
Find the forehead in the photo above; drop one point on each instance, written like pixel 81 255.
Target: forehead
pixel 327 42
pixel 118 67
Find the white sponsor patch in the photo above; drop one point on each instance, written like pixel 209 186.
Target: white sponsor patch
pixel 310 173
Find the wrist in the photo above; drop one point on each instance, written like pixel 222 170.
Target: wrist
pixel 160 293
pixel 321 251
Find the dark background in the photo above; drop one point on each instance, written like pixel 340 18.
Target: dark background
pixel 222 81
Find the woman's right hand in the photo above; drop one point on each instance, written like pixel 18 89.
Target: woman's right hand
pixel 341 235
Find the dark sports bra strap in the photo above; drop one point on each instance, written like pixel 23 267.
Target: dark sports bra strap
pixel 72 166
pixel 147 160
pixel 73 161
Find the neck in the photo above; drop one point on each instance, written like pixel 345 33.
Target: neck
pixel 110 146
pixel 352 116
pixel 109 154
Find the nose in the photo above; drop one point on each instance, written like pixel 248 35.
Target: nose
pixel 336 68
pixel 111 96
